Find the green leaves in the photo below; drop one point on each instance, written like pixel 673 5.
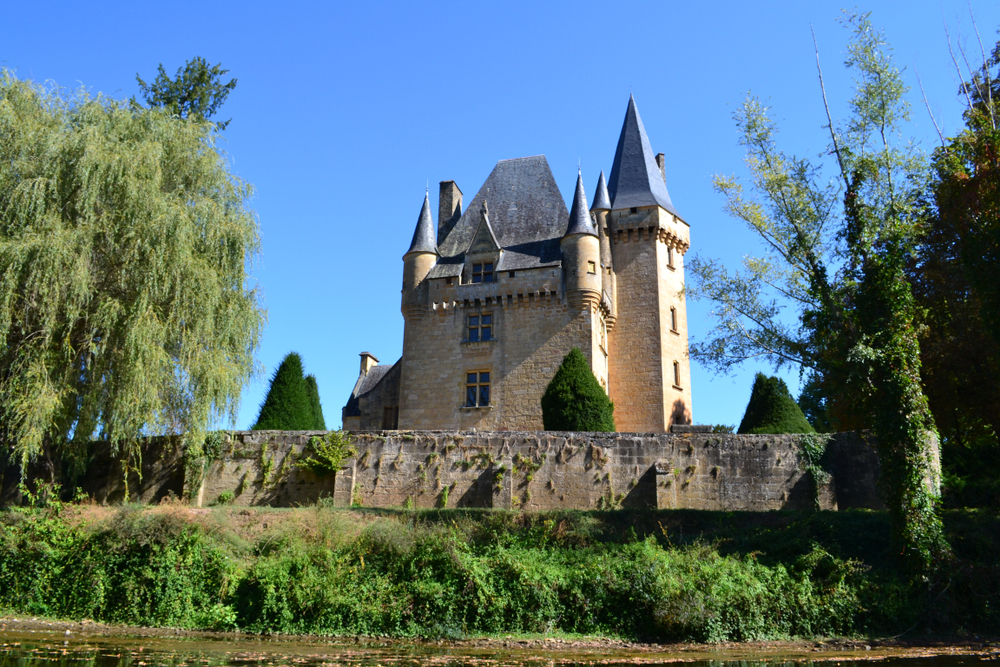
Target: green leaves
pixel 126 306
pixel 197 92
pixel 574 400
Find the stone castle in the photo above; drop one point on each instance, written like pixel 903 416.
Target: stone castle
pixel 499 293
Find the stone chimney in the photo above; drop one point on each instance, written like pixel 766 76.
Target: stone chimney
pixel 661 162
pixel 449 208
pixel 368 361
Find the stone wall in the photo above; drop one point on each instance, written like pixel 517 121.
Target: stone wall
pixel 511 470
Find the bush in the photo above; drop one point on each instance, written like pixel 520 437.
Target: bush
pixel 312 389
pixel 574 400
pixel 772 409
pixel 287 406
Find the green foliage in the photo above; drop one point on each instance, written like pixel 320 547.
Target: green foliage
pixel 197 92
pixel 574 400
pixel 287 406
pixel 126 308
pixel 326 454
pixel 771 409
pixel 724 428
pixel 453 573
pixel 319 423
pixel 835 253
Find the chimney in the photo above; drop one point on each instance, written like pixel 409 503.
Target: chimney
pixel 661 162
pixel 368 360
pixel 449 208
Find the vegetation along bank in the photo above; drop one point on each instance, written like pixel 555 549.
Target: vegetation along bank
pixel 652 576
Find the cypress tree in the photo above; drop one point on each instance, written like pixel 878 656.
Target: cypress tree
pixel 318 423
pixel 772 409
pixel 574 400
pixel 287 406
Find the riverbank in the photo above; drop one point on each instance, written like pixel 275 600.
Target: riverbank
pixel 457 574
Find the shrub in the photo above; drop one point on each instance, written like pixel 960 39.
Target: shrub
pixel 286 406
pixel 574 400
pixel 312 389
pixel 772 409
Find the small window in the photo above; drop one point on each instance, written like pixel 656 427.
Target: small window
pixel 477 389
pixel 390 418
pixel 482 273
pixel 591 267
pixel 633 210
pixel 480 327
pixel 673 319
pixel 670 257
pixel 677 374
pixel 449 281
pixel 510 274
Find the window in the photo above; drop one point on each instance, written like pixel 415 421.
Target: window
pixel 633 210
pixel 480 327
pixel 482 273
pixel 390 418
pixel 673 319
pixel 591 267
pixel 448 281
pixel 510 274
pixel 670 257
pixel 677 374
pixel 477 389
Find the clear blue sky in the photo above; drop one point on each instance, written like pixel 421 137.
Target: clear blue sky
pixel 345 111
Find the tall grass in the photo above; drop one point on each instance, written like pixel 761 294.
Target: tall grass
pixel 454 574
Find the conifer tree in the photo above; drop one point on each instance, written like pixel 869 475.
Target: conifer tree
pixel 287 406
pixel 574 400
pixel 772 409
pixel 319 423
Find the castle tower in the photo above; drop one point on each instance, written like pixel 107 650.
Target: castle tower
pixel 600 210
pixel 649 368
pixel 418 261
pixel 581 254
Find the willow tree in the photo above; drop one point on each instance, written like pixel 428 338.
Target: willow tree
pixel 830 294
pixel 126 306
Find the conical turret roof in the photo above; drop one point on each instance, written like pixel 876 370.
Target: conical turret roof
pixel 424 238
pixel 579 217
pixel 635 178
pixel 602 202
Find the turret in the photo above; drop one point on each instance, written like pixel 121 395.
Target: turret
pixel 600 210
pixel 418 261
pixel 581 253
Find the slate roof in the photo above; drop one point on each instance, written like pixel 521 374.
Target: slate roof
pixel 636 180
pixel 579 217
pixel 365 384
pixel 424 237
pixel 602 202
pixel 527 215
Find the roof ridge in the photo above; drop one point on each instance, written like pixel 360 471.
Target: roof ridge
pixel 636 179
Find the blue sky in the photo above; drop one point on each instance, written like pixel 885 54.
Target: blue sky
pixel 345 111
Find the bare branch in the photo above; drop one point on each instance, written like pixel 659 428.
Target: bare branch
pixel 986 69
pixel 829 118
pixel 961 77
pixel 928 105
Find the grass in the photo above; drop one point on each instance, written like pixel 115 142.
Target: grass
pixel 450 573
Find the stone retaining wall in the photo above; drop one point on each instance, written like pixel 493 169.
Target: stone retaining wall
pixel 510 470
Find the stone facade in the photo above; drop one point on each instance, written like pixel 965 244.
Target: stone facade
pixel 607 280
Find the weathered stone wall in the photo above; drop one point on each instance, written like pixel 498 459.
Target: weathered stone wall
pixel 516 470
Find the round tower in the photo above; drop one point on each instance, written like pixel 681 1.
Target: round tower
pixel 609 284
pixel 581 253
pixel 418 261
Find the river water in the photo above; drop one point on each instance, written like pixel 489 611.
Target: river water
pixel 67 649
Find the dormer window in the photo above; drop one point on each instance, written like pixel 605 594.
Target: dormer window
pixel 482 273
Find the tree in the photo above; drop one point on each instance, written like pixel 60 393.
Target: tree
pixel 771 409
pixel 836 252
pixel 287 406
pixel 197 91
pixel 125 242
pixel 574 399
pixel 318 422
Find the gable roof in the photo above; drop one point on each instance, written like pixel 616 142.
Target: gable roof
pixel 364 385
pixel 636 180
pixel 527 216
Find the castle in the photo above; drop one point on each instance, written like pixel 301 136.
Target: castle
pixel 497 295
